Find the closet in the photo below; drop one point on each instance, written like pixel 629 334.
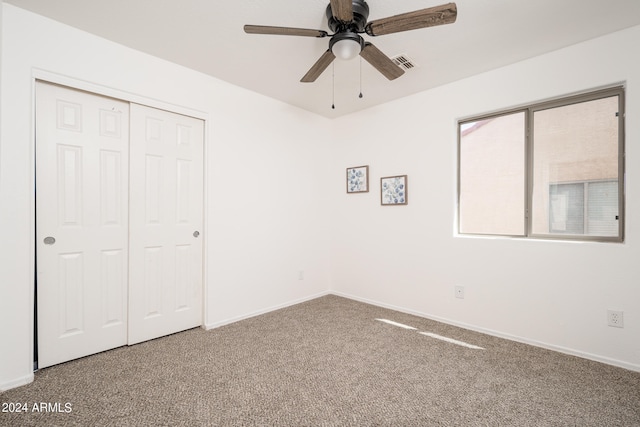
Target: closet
pixel 119 214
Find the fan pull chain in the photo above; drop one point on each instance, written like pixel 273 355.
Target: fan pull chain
pixel 333 86
pixel 360 96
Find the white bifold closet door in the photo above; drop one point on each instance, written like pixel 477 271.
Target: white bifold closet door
pixel 118 216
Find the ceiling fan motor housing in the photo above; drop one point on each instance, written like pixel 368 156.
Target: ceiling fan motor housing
pixel 349 30
pixel 357 24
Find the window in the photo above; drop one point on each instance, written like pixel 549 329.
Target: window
pixel 584 208
pixel 549 170
pixel 492 160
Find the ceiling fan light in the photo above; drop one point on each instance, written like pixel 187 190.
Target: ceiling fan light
pixel 346 49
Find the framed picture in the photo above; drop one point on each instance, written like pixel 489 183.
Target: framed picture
pixel 393 190
pixel 358 179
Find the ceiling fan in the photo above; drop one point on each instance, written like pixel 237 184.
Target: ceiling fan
pixel 348 19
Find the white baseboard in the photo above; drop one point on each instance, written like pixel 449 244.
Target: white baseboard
pixel 214 325
pixel 18 382
pixel 498 334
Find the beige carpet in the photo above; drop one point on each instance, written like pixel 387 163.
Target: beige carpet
pixel 329 362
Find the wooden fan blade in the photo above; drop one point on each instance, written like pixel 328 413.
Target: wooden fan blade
pixel 430 17
pixel 342 10
pixel 381 62
pixel 283 31
pixel 320 65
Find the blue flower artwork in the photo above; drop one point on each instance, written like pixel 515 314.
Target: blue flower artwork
pixel 358 179
pixel 393 190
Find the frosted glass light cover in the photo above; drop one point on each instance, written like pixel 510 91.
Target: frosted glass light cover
pixel 346 49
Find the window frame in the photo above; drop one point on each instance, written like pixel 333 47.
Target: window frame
pixel 529 141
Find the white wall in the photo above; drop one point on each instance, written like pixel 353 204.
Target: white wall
pixel 553 294
pixel 266 213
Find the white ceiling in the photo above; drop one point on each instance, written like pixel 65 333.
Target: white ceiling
pixel 208 36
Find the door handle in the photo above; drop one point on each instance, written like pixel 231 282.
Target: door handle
pixel 49 240
pixel 196 233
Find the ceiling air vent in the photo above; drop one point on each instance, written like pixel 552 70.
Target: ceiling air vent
pixel 404 62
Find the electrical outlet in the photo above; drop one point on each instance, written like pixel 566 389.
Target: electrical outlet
pixel 301 275
pixel 615 318
pixel 459 292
